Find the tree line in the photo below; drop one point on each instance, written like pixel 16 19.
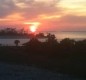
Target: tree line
pixel 67 56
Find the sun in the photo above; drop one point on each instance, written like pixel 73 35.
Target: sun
pixel 33 28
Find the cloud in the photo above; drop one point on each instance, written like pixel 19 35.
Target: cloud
pixel 39 8
pixel 52 16
pixel 73 22
pixel 28 8
pixel 7 7
pixel 65 23
pixel 73 19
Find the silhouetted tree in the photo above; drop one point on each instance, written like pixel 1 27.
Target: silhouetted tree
pixel 16 42
pixel 12 32
pixel 33 42
pixel 40 35
pixel 67 42
pixel 81 45
pixel 51 39
pixel 0 44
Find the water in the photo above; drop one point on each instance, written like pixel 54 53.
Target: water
pixel 10 42
pixel 71 35
pixel 59 35
pixel 19 72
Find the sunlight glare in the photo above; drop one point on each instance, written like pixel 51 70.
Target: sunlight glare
pixel 34 26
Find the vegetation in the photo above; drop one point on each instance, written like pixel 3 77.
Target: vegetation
pixel 16 42
pixel 67 57
pixel 12 32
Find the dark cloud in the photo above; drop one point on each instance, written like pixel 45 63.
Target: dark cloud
pixel 32 9
pixel 7 7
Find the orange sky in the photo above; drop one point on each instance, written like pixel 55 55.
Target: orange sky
pixel 53 15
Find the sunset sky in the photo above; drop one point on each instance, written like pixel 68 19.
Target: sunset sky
pixel 53 15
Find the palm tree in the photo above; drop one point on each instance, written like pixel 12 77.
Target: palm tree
pixel 16 42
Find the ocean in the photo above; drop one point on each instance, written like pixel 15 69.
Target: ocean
pixel 6 41
pixel 71 35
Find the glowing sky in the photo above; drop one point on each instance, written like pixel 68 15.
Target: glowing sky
pixel 52 14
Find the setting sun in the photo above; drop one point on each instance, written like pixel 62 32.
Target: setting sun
pixel 33 28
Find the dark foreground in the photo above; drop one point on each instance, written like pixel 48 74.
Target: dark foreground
pixel 57 59
pixel 23 72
